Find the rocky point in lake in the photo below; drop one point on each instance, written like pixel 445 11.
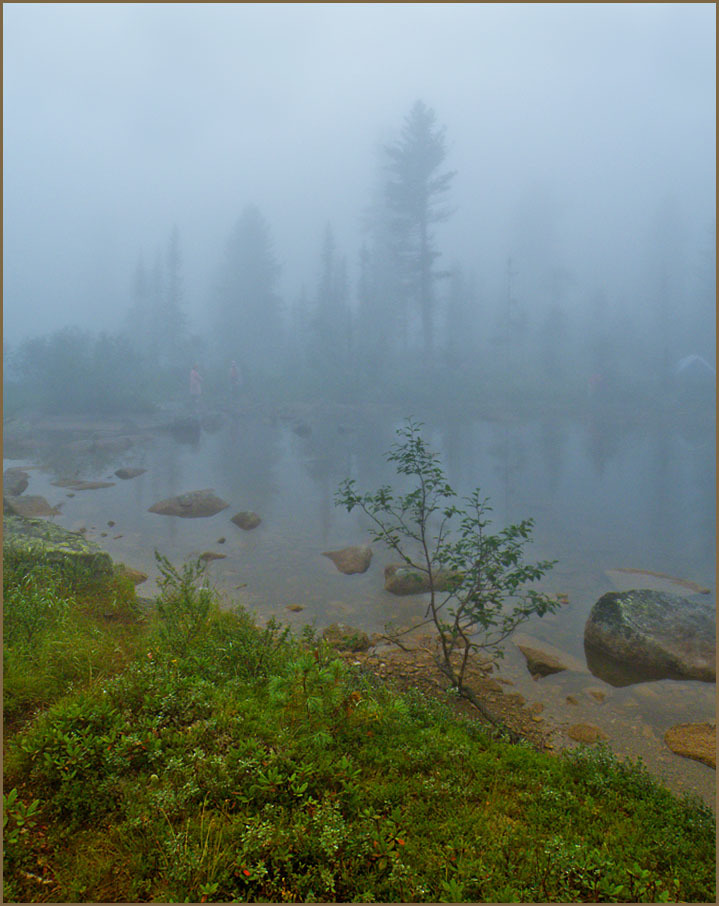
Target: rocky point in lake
pixel 644 635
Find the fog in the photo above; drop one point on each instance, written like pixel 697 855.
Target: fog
pixel 582 136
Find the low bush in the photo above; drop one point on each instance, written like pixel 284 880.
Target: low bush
pixel 237 763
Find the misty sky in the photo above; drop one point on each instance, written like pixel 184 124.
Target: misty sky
pixel 572 128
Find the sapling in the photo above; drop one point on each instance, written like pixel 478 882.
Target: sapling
pixel 479 584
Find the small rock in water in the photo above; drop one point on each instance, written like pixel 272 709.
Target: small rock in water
pixel 295 608
pixel 221 540
pixel 129 473
pixel 211 555
pixel 351 560
pixel 246 520
pixel 111 522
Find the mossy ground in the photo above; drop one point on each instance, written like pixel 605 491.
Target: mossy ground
pixel 193 755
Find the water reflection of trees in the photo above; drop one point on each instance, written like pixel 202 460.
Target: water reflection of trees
pixel 247 455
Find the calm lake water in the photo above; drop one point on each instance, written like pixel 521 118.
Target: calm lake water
pixel 604 495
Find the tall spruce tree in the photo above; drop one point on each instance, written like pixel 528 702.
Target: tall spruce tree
pixel 416 195
pixel 248 310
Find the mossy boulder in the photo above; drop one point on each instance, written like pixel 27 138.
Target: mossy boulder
pixel 30 542
pixel 403 580
pixel 650 635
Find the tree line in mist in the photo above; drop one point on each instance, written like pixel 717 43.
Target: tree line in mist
pixel 413 323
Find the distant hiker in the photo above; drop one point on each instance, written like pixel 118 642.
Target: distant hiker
pixel 234 380
pixel 195 386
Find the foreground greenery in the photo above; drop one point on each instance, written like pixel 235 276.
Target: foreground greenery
pixel 190 754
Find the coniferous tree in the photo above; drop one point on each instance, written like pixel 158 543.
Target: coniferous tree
pixel 173 316
pixel 416 193
pixel 248 310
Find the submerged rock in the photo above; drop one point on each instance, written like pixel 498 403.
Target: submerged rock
pixel 27 542
pixel 78 485
pixel 193 505
pixel 129 473
pixel 211 555
pixel 586 733
pixel 246 519
pixel 351 560
pixel 697 741
pixel 651 635
pixel 403 580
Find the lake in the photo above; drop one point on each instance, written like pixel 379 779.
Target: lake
pixel 605 494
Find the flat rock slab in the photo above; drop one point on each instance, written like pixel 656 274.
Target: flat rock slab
pixel 628 579
pixel 652 635
pixel 29 505
pixel 246 520
pixel 193 505
pixel 350 560
pixel 125 474
pixel 14 481
pixel 697 741
pixel 82 485
pixel 27 542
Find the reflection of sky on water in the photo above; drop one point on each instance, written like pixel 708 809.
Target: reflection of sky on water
pixel 602 496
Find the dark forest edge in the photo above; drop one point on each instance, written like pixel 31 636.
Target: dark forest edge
pixel 75 372
pixel 183 752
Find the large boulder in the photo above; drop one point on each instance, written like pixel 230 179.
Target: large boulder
pixel 14 482
pixel 28 542
pixel 351 560
pixel 28 505
pixel 193 505
pixel 643 634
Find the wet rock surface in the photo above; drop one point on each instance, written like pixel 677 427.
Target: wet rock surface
pixel 350 560
pixel 193 505
pixel 652 635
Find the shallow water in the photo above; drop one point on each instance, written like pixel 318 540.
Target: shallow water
pixel 603 496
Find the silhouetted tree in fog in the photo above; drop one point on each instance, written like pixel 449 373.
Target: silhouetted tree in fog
pixel 172 317
pixel 332 325
pixel 416 200
pixel 248 314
